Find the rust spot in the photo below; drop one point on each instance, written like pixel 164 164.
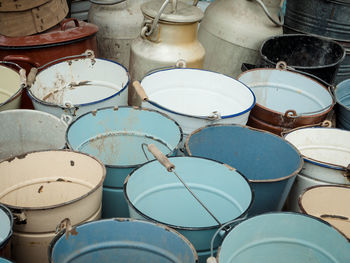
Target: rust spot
pixel 40 189
pixel 229 167
pixel 22 156
pixel 60 180
pixel 115 108
pixel 94 112
pixel 69 62
pixel 11 159
pixel 72 163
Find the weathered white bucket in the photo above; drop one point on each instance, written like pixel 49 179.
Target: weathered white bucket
pixel 195 97
pixel 330 203
pixel 44 190
pixel 30 130
pixel 78 86
pixel 326 153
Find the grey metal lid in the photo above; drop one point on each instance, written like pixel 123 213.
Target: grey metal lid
pixel 185 13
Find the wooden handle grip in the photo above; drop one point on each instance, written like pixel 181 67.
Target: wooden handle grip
pixel 31 76
pixel 139 90
pixel 22 76
pixel 161 157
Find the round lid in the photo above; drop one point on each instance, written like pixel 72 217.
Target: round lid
pixel 184 13
pixel 67 30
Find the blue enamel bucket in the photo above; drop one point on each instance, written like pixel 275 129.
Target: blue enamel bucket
pixel 117 137
pixel 284 237
pixel 6 223
pixel 4 260
pixel 269 162
pixel 122 240
pixel 157 195
pixel 342 96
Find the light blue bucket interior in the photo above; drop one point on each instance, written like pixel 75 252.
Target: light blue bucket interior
pixel 159 194
pixel 116 136
pixel 284 237
pixel 122 241
pixel 342 95
pixel 5 225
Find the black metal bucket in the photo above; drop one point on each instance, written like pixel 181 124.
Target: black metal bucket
pixel 318 56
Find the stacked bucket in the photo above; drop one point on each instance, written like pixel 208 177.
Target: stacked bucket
pixel 148 132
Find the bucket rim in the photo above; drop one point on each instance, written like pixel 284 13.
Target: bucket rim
pixel 157 105
pixel 48 207
pixel 176 148
pixel 254 130
pixel 130 204
pixel 343 85
pixel 7 211
pixel 64 107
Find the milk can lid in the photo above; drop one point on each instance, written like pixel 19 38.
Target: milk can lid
pixel 184 13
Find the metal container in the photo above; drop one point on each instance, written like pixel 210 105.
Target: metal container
pixel 286 99
pixel 232 32
pixel 327 157
pixel 117 136
pixel 122 240
pixel 329 203
pixel 119 24
pixel 167 37
pixel 195 98
pixel 79 9
pixel 45 190
pixel 6 223
pixel 342 97
pixel 269 162
pixel 287 237
pixel 318 56
pixel 29 130
pixel 77 86
pixel 157 195
pixel 11 86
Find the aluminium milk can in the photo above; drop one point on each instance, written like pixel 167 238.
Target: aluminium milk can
pixel 119 22
pixel 232 32
pixel 169 35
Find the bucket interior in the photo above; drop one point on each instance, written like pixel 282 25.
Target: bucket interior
pixel 302 51
pixel 160 195
pixel 80 81
pixel 198 92
pixel 326 145
pixel 293 237
pixel 48 178
pixel 5 225
pixel 123 241
pixel 10 83
pixel 118 137
pixel 281 91
pixel 342 94
pixel 258 155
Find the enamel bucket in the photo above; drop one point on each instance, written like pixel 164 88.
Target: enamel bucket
pixel 46 190
pixel 6 223
pixel 342 96
pixel 285 99
pixel 157 195
pixel 284 237
pixel 195 98
pixel 326 152
pixel 269 162
pixel 122 240
pixel 30 130
pixel 117 137
pixel 77 86
pixel 329 203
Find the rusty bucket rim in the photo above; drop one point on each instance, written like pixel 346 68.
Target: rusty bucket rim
pixel 91 191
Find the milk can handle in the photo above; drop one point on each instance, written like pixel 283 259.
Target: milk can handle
pixel 277 23
pixel 108 2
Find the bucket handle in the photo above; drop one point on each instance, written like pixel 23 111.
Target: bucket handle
pixel 66 21
pixel 65 225
pixel 163 160
pixel 280 13
pixel 326 124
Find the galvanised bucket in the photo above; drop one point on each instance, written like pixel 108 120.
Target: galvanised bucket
pixel 157 195
pixel 284 237
pixel 117 137
pixel 122 240
pixel 342 97
pixel 269 162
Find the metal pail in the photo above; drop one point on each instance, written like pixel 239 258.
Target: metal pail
pixel 342 97
pixel 284 237
pixel 10 88
pixel 122 240
pixel 326 152
pixel 269 162
pixel 30 130
pixel 6 223
pixel 318 56
pixel 285 99
pixel 78 86
pixel 117 136
pixel 4 260
pixel 157 195
pixel 195 98
pixel 47 189
pixel 329 203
